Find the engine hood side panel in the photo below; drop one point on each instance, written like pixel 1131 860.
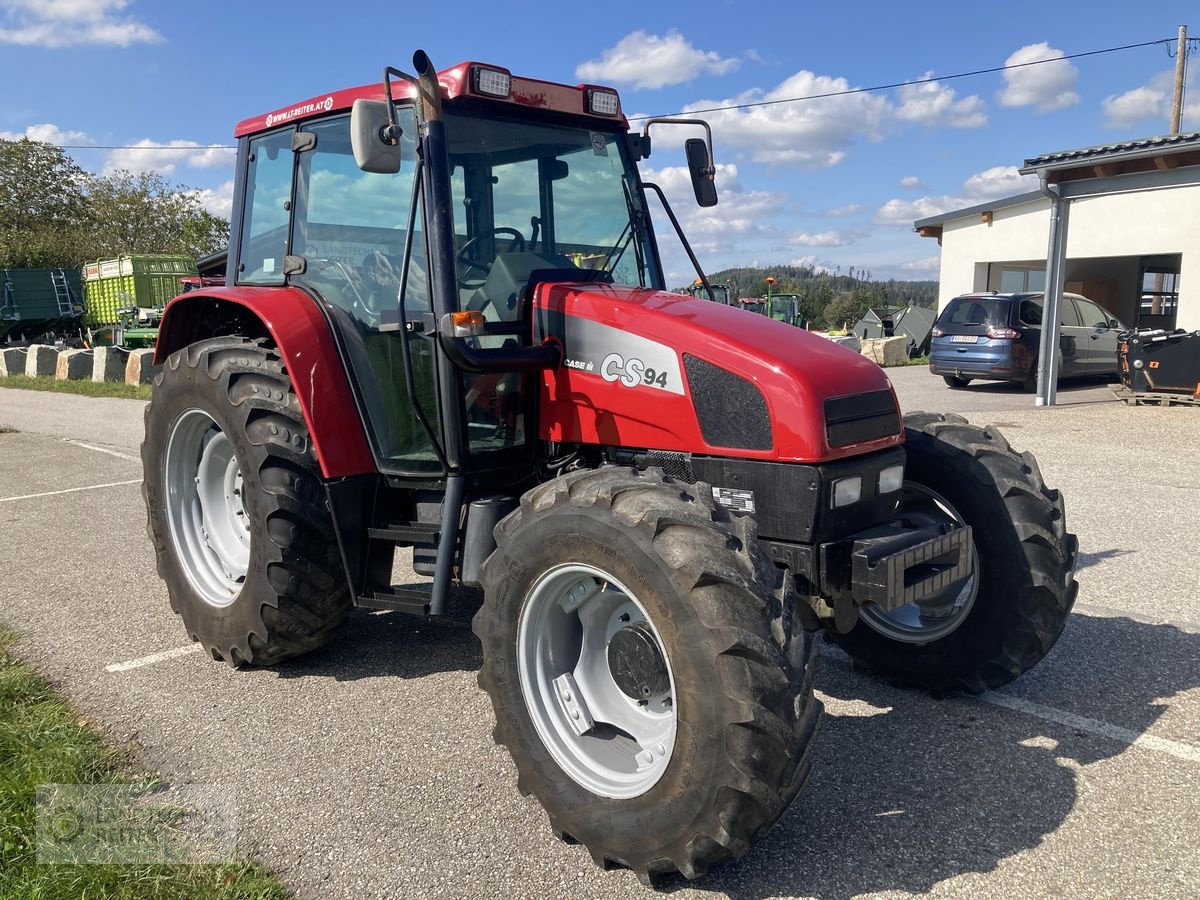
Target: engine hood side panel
pixel 624 377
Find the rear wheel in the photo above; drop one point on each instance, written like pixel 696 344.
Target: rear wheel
pixel 1008 615
pixel 956 381
pixel 235 506
pixel 644 670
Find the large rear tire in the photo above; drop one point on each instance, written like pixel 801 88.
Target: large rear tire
pixel 674 592
pixel 1006 619
pixel 235 506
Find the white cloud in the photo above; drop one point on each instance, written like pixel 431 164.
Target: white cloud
pixel 151 156
pixel 1047 86
pixel 812 133
pixel 840 212
pixel 69 23
pixel 990 184
pixel 811 262
pixel 911 181
pixel 47 133
pixel 1151 101
pixel 923 266
pixel 825 238
pixel 218 201
pixel 644 60
pixel 998 181
pixel 934 104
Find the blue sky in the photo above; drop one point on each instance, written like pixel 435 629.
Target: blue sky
pixel 833 182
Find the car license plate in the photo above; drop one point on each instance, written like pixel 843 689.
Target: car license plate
pixel 964 339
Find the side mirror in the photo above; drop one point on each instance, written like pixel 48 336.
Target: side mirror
pixel 704 181
pixel 375 150
pixel 1113 323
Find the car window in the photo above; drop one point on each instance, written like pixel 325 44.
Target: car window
pixel 975 311
pixel 1069 315
pixel 1031 312
pixel 1093 316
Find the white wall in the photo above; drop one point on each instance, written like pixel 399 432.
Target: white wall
pixel 1141 224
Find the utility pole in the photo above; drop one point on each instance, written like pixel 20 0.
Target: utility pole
pixel 1180 72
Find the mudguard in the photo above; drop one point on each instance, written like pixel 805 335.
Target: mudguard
pixel 302 335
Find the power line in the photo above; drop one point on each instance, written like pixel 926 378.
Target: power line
pixel 898 84
pixel 848 91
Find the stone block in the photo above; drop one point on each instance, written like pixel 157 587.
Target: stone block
pixel 12 361
pixel 140 369
pixel 74 365
pixel 41 361
pixel 891 351
pixel 109 364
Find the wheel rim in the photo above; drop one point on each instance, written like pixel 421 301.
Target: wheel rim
pixel 584 645
pixel 209 526
pixel 937 616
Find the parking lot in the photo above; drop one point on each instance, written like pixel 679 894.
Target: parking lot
pixel 367 769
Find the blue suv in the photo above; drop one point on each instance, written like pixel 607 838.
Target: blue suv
pixel 995 337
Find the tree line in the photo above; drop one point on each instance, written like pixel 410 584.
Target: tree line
pixel 54 213
pixel 828 300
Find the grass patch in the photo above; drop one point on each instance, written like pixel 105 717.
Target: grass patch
pixel 43 741
pixel 7 429
pixel 82 388
pixel 917 361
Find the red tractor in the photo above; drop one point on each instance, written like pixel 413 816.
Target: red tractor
pixel 446 328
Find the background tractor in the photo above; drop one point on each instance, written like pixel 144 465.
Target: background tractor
pixel 446 328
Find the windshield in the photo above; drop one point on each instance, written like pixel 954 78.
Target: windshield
pixel 545 196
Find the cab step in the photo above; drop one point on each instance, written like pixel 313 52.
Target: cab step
pixel 412 601
pixel 407 533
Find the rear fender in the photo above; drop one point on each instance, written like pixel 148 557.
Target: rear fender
pixel 291 320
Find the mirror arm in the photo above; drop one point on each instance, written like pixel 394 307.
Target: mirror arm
pixel 668 120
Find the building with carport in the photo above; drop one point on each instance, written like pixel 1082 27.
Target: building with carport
pixel 1118 223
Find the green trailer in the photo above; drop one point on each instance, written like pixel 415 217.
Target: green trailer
pixel 126 296
pixel 40 304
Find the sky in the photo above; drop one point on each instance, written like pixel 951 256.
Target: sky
pixel 834 182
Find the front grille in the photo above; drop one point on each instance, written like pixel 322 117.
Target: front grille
pixel 860 417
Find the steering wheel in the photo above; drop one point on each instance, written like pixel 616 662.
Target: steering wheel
pixel 469 261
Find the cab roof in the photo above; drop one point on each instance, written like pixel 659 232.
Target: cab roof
pixel 455 82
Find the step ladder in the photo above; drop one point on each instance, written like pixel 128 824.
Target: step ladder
pixel 415 601
pixel 68 304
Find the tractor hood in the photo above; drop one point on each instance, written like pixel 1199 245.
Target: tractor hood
pixel 655 370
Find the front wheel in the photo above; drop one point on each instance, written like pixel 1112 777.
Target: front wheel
pixel 1005 619
pixel 644 670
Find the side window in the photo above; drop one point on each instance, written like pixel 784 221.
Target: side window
pixel 1031 312
pixel 1093 315
pixel 265 220
pixel 1068 312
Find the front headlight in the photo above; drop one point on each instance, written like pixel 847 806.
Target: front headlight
pixel 847 491
pixel 891 479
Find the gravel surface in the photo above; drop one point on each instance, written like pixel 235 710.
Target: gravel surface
pixel 367 768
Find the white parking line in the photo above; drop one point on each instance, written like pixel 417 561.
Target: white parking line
pixel 115 453
pixel 1178 749
pixel 153 658
pixel 90 487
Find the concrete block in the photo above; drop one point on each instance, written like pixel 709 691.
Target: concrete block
pixel 109 364
pixel 140 369
pixel 891 351
pixel 12 361
pixel 848 340
pixel 74 365
pixel 41 361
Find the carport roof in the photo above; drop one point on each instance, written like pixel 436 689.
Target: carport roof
pixel 989 206
pixel 1105 153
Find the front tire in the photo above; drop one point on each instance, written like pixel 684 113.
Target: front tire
pixel 235 506
pixel 708 640
pixel 1007 618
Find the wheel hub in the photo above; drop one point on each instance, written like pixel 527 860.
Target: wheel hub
pixel 637 665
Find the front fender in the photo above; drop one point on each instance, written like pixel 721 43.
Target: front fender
pixel 300 332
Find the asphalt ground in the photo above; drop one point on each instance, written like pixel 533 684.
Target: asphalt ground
pixel 367 769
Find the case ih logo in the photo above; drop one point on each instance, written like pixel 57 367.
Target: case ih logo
pixel 303 110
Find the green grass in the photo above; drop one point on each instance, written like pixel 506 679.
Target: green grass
pixel 918 361
pixel 43 741
pixel 84 388
pixel 7 429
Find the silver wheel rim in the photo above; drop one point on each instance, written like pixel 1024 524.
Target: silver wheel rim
pixel 608 742
pixel 210 530
pixel 932 619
